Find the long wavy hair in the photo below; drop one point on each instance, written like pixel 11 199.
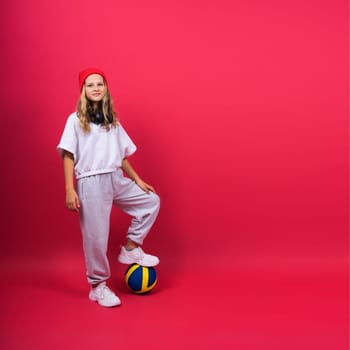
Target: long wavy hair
pixel 85 108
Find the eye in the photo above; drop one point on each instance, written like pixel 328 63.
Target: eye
pixel 89 85
pixel 100 84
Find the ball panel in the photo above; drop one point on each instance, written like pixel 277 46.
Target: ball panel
pixel 144 278
pixel 152 276
pixel 140 279
pixel 130 270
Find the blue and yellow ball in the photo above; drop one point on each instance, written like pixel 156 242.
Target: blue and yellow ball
pixel 140 279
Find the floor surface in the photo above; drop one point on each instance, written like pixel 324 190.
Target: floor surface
pixel 45 306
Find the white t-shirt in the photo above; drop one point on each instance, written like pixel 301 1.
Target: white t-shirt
pixel 97 152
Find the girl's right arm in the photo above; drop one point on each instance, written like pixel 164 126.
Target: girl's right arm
pixel 72 199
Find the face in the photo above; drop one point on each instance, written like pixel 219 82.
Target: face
pixel 95 88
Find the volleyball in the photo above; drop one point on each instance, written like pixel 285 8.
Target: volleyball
pixel 140 279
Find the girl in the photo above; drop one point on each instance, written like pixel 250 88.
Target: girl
pixel 95 148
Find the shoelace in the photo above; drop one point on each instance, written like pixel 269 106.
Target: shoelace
pixel 136 252
pixel 140 252
pixel 104 292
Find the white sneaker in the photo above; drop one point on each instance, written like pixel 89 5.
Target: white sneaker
pixel 137 256
pixel 104 296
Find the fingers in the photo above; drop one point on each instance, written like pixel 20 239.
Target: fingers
pixel 77 204
pixel 72 207
pixel 145 187
pixel 73 204
pixel 151 189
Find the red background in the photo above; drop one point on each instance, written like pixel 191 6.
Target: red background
pixel 240 111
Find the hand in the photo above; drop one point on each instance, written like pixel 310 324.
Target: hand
pixel 72 200
pixel 144 186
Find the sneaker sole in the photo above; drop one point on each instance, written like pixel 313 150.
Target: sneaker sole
pixel 126 260
pixel 92 298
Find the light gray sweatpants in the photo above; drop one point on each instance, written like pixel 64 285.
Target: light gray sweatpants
pixel 97 194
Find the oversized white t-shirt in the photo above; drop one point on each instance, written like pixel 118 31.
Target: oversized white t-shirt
pixel 97 152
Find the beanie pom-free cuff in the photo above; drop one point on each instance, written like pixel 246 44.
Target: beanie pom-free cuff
pixel 86 72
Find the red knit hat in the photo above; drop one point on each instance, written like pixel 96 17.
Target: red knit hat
pixel 86 72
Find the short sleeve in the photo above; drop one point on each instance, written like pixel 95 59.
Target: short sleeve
pixel 127 145
pixel 68 140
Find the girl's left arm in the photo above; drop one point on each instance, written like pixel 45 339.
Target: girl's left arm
pixel 129 170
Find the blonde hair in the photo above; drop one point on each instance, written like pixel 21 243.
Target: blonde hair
pixel 84 108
